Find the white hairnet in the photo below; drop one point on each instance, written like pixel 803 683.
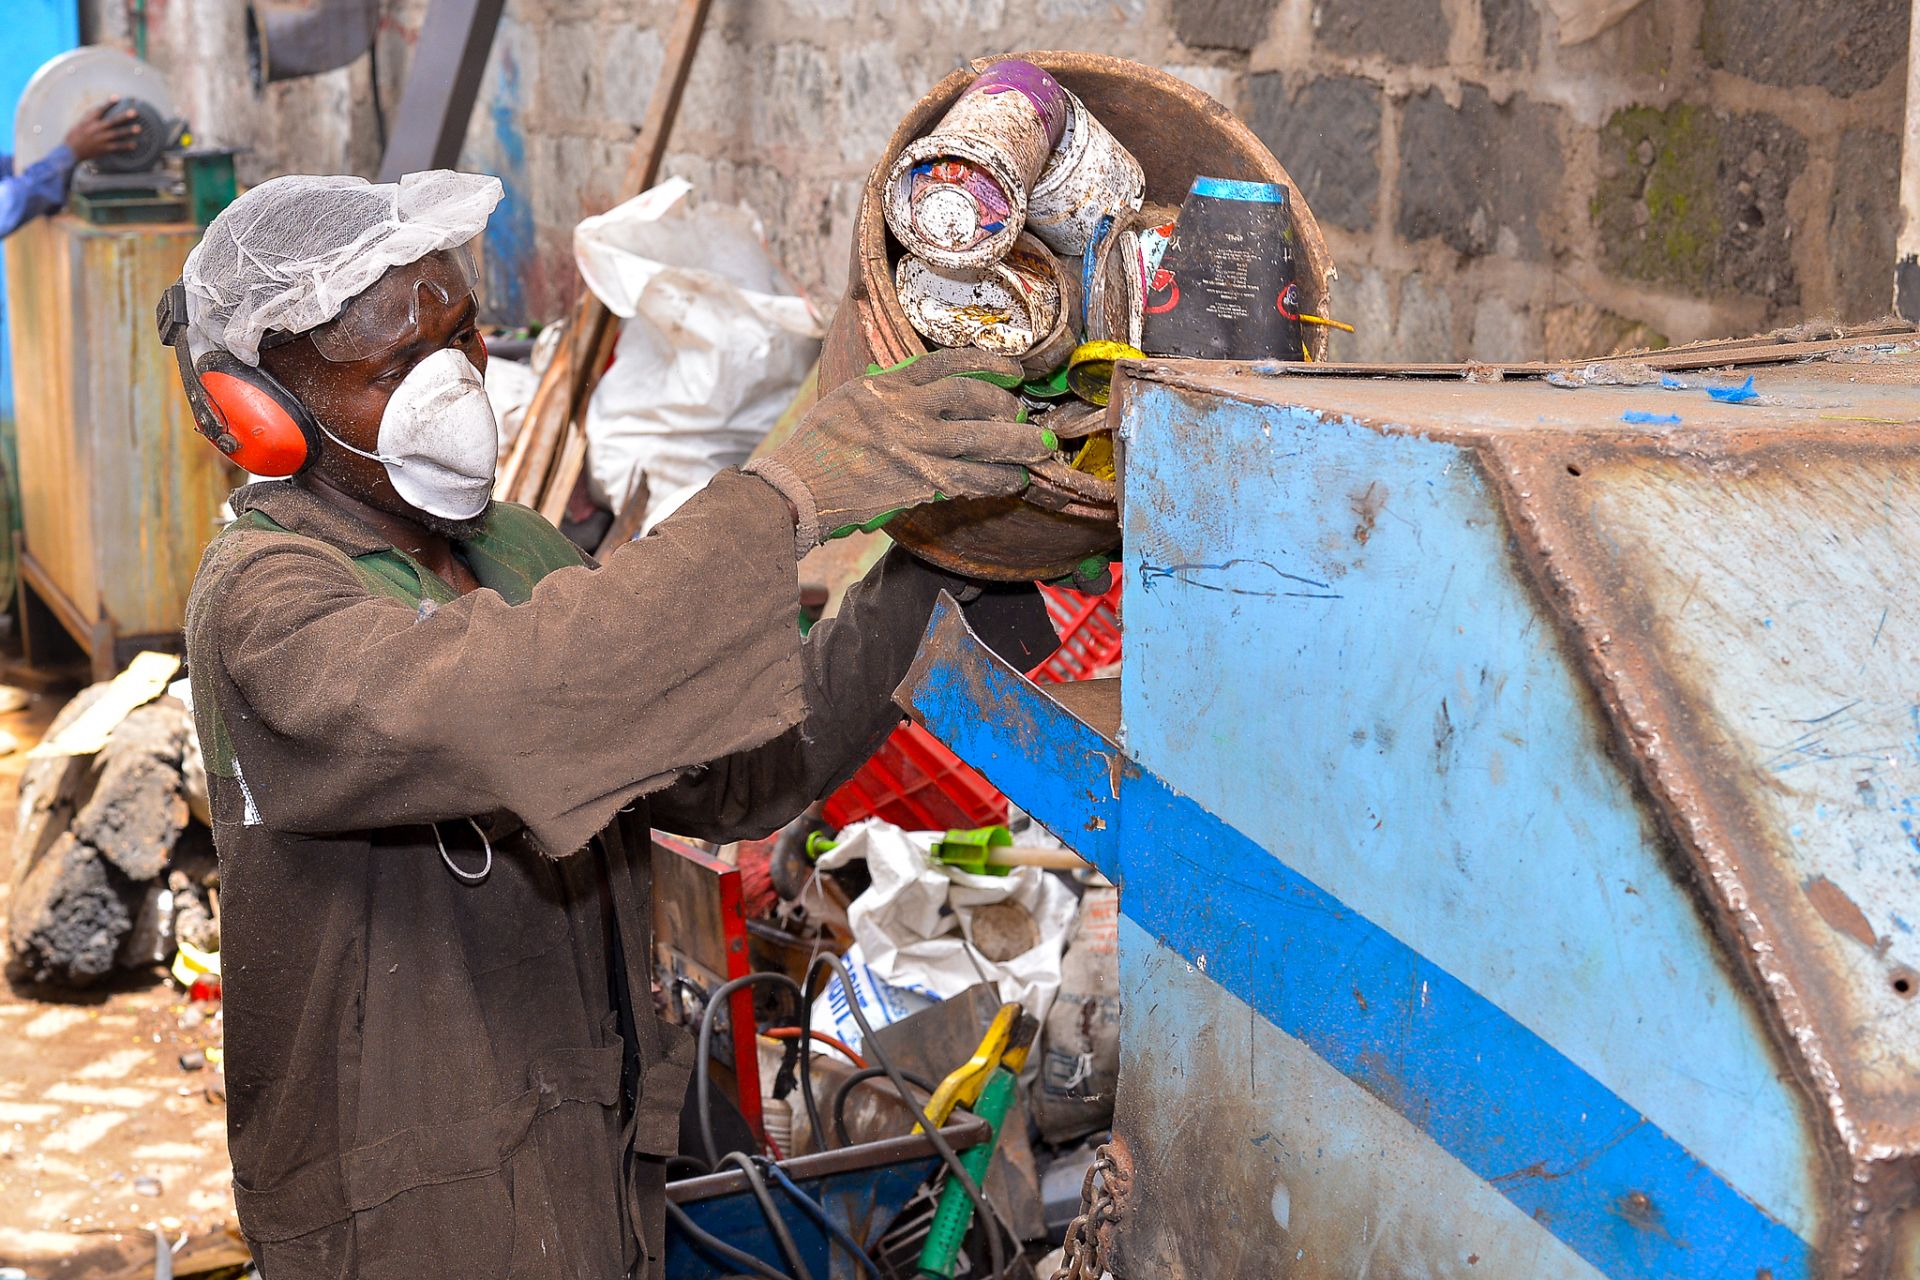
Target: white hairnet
pixel 292 252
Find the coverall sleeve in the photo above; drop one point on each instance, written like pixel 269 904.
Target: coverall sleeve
pixel 41 189
pixel 852 664
pixel 348 711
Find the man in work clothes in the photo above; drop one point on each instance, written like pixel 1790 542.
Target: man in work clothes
pixel 437 738
pixel 42 186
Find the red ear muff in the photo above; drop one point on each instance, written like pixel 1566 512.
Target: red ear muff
pixel 265 428
pixel 243 411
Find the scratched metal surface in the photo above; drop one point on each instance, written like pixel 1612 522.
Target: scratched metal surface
pixel 1430 755
pixel 1729 586
pixel 1783 602
pixel 1550 1138
pixel 1335 1184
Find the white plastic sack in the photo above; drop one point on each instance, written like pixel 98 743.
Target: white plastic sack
pixel 713 344
pixel 914 924
pixel 510 388
pixel 880 1002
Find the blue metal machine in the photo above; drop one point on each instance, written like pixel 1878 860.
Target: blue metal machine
pixel 1512 785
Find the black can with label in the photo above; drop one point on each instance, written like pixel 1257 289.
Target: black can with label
pixel 1225 289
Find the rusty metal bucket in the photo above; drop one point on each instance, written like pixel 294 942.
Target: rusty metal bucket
pixel 1177 133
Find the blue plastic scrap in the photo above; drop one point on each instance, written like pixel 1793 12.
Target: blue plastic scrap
pixel 1640 418
pixel 1742 394
pixel 1735 395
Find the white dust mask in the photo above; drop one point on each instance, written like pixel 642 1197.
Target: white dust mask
pixel 438 438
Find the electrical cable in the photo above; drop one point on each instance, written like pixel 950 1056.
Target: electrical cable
pixel 832 1042
pixel 704 1239
pixel 837 1105
pixel 789 1249
pixel 702 1067
pixel 989 1217
pixel 699 1167
pixel 820 1214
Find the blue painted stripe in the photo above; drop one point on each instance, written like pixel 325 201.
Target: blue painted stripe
pixel 1556 1142
pixel 1235 189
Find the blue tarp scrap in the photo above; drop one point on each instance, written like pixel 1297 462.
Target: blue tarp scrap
pixel 1741 394
pixel 1735 395
pixel 1640 418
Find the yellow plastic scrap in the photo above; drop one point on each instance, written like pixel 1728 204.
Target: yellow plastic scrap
pixel 962 1086
pixel 1090 368
pixel 191 963
pixel 1096 456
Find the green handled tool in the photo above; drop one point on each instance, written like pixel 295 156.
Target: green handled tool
pixel 940 1256
pixel 981 851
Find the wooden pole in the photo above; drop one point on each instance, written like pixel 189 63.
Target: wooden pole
pixel 555 422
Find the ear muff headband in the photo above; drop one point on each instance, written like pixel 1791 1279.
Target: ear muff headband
pixel 245 412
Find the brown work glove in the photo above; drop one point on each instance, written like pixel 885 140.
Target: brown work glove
pixel 940 426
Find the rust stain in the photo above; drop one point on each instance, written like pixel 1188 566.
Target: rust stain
pixel 1637 1209
pixel 1710 819
pixel 1359 999
pixel 1840 911
pixel 1536 1171
pixel 1366 506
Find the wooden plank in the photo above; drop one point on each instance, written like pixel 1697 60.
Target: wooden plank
pixel 157 487
pixel 592 328
pixel 119 494
pixel 628 519
pixel 650 148
pixel 573 456
pixel 56 524
pixel 532 453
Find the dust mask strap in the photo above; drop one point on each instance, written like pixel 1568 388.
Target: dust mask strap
pixel 380 458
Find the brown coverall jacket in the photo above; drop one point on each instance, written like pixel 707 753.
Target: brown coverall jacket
pixel 425 1075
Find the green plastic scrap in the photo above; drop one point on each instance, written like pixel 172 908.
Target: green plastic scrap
pixel 963 850
pixel 968 850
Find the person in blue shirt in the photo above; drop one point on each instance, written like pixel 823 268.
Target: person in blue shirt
pixel 43 187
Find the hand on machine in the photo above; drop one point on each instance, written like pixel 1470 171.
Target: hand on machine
pixel 114 128
pixel 942 426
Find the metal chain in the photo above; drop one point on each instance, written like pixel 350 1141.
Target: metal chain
pixel 1090 1236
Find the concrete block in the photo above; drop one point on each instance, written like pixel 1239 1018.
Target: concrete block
pixel 1397 317
pixel 1102 11
pixel 1362 298
pixel 1865 222
pixel 821 10
pixel 632 59
pixel 1222 84
pixel 1400 30
pixel 1423 326
pixel 1504 329
pixel 1485 178
pixel 1844 46
pixel 1328 136
pixel 1512 33
pixel 959 26
pixel 1697 199
pixel 796 100
pixel 877 86
pixel 571 56
pixel 1581 330
pixel 1222 24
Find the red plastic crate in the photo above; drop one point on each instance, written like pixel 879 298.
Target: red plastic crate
pixel 1089 628
pixel 913 781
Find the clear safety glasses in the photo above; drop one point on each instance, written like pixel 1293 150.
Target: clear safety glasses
pixel 387 316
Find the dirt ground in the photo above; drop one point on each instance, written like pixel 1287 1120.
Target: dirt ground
pixel 103 1136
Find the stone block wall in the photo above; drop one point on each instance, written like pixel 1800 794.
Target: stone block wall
pixel 1494 182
